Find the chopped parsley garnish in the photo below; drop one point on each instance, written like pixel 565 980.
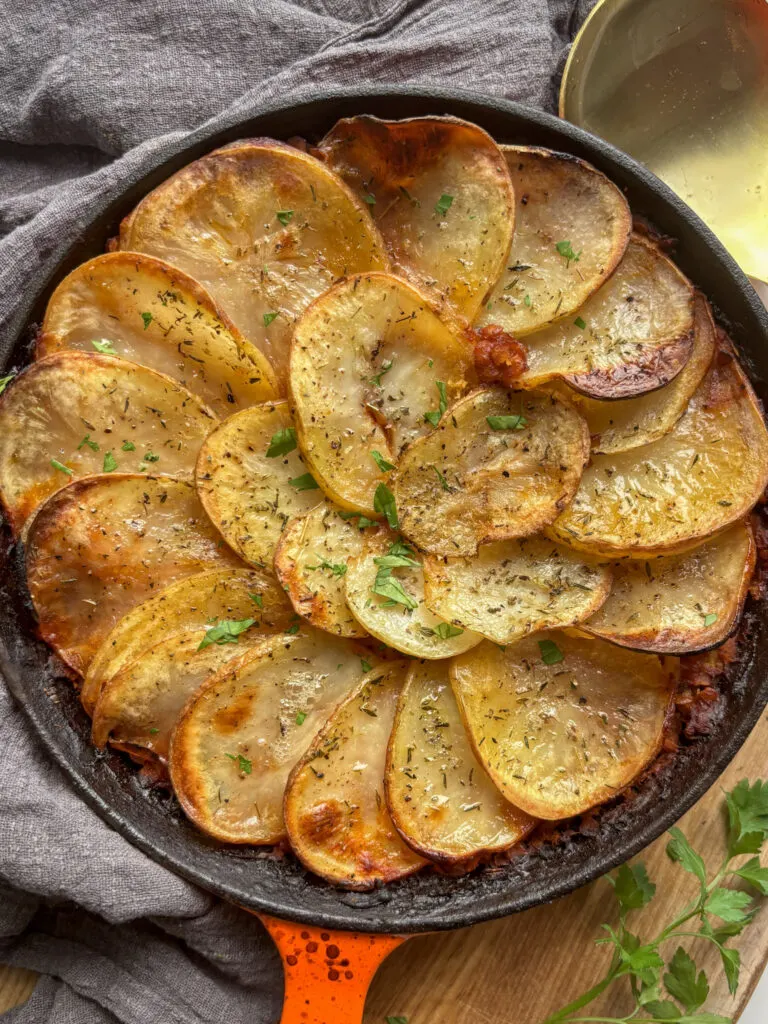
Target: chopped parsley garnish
pixel 443 204
pixel 5 381
pixel 566 251
pixel 226 631
pixel 284 216
pixel 384 503
pixel 337 568
pixel 441 478
pixel 305 482
pixel 110 463
pixel 62 468
pixel 445 630
pixel 381 462
pixel 369 198
pixel 366 666
pixel 580 323
pixel 147 318
pixel 435 415
pixel 243 764
pixel 396 1020
pixel 385 586
pixel 527 301
pixel 129 446
pixel 550 652
pixel 269 317
pixel 151 457
pixel 87 442
pixel 293 628
pixel 301 717
pixel 282 442
pixel 710 619
pixel 386 366
pixel 106 347
pixel 506 422
pixel 362 521
pixel 257 599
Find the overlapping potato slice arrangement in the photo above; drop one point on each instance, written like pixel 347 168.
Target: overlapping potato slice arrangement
pixel 372 367
pixel 572 226
pixel 631 422
pixel 335 808
pixel 102 545
pixel 441 800
pixel 72 415
pixel 679 603
pixel 216 596
pixel 440 193
pixel 144 310
pixel 703 475
pixel 384 587
pixel 634 335
pixel 515 587
pixel 265 228
pixel 562 723
pixel 311 562
pixel 251 479
pixel 500 464
pixel 241 734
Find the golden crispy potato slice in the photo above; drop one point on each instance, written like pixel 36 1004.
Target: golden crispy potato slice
pixel 562 723
pixel 440 193
pixel 372 367
pixel 565 208
pixel 705 474
pixel 191 603
pixel 384 588
pixel 252 479
pixel 311 562
pixel 500 464
pixel 634 335
pixel 515 587
pixel 680 603
pixel 441 800
pixel 149 312
pixel 265 228
pixel 72 415
pixel 335 809
pixel 241 734
pixel 102 545
pixel 631 422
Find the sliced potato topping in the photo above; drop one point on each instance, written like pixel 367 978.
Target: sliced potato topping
pixel 515 587
pixel 146 311
pixel 72 415
pixel 335 810
pixel 219 595
pixel 631 422
pixel 252 479
pixel 572 226
pixel 311 562
pixel 265 227
pixel 562 723
pixel 500 464
pixel 372 367
pixel 385 591
pixel 440 193
pixel 634 335
pixel 680 603
pixel 706 473
pixel 102 545
pixel 441 799
pixel 239 737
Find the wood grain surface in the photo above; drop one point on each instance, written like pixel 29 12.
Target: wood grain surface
pixel 519 970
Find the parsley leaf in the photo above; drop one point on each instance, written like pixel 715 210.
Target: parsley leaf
pixel 110 463
pixel 369 198
pixel 293 628
pixel 381 462
pixel 441 478
pixel 337 569
pixel 580 323
pixel 443 204
pixel 506 422
pixel 682 982
pixel 284 216
pixel 151 457
pixel 386 366
pixel 226 631
pixel 527 301
pixel 301 717
pixel 396 1020
pixel 445 630
pixel 269 317
pixel 728 904
pixel 632 886
pixel 566 251
pixel 362 521
pixel 87 442
pixel 243 764
pixel 747 817
pixel 366 666
pixel 62 468
pixel 435 416
pixel 128 446
pixel 257 599
pixel 282 442
pixel 386 586
pixel 305 482
pixel 681 851
pixel 384 504
pixel 710 619
pixel 756 875
pixel 550 652
pixel 147 318
pixel 5 381
pixel 106 347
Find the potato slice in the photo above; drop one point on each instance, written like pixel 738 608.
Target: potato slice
pixel 515 587
pixel 244 475
pixel 562 723
pixel 440 798
pixel 680 603
pixel 705 474
pixel 311 562
pixel 440 193
pixel 471 481
pixel 372 367
pixel 632 422
pixel 241 734
pixel 189 604
pixel 265 228
pixel 149 312
pixel 335 810
pixel 72 415
pixel 564 206
pixel 102 545
pixel 395 611
pixel 637 331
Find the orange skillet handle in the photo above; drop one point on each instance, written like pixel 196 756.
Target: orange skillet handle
pixel 327 973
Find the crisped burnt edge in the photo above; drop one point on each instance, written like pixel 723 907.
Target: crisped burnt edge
pixel 652 370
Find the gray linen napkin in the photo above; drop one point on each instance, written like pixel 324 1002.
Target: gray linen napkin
pixel 90 94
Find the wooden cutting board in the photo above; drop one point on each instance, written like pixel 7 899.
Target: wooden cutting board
pixel 519 970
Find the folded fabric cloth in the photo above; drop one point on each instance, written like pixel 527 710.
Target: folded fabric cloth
pixel 92 94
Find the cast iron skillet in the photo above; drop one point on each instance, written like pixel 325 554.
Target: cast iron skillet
pixel 425 902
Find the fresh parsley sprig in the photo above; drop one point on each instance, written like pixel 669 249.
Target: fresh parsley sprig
pixel 674 990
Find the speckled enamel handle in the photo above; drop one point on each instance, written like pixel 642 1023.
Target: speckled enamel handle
pixel 327 973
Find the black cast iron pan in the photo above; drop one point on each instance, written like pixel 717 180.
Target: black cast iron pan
pixel 428 901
